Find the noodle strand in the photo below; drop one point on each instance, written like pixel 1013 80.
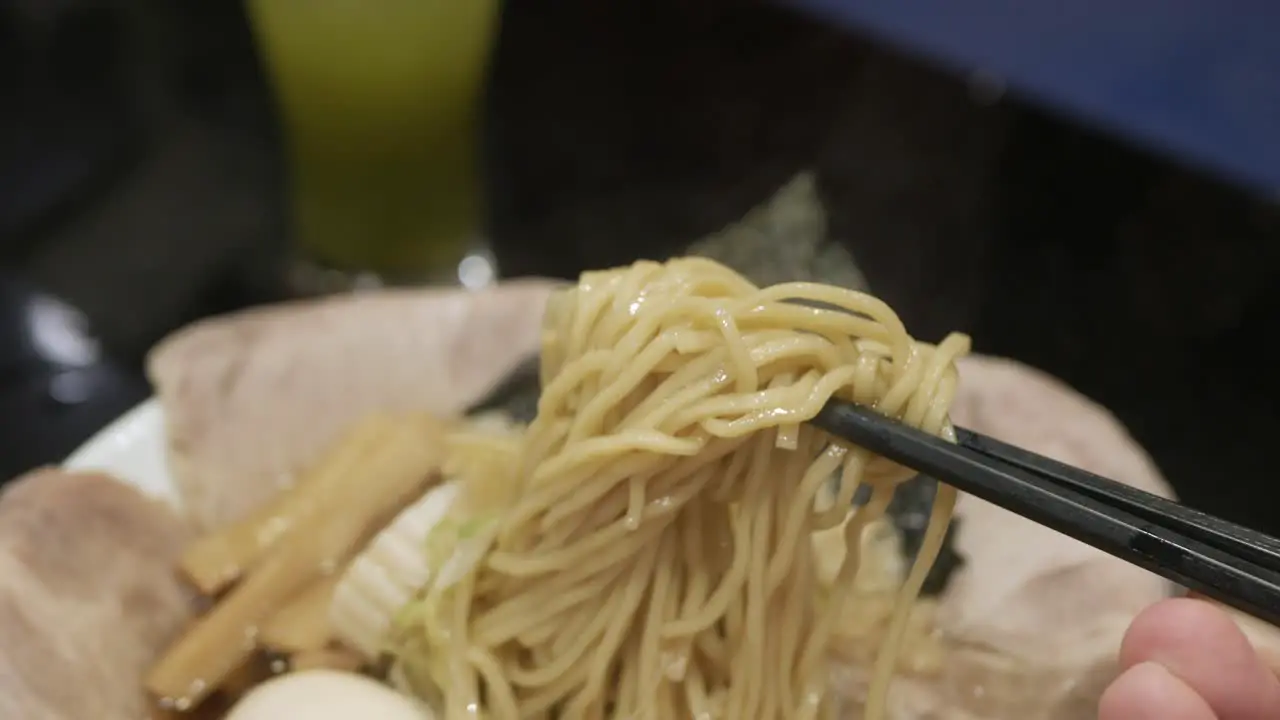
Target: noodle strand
pixel 650 552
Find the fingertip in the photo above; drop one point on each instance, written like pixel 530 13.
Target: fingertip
pixel 1175 625
pixel 1148 691
pixel 1202 646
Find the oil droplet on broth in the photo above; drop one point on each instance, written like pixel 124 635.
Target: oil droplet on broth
pixel 775 414
pixel 675 665
pixel 230 571
pixel 271 530
pixel 184 703
pixel 813 697
pixel 251 637
pixel 662 503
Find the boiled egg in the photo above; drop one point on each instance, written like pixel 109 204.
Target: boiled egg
pixel 327 695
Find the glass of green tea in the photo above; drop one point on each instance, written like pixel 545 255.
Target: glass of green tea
pixel 379 106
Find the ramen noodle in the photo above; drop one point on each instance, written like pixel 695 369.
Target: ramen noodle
pixel 644 549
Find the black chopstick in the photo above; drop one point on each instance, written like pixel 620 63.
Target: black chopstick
pixel 1240 541
pixel 1228 563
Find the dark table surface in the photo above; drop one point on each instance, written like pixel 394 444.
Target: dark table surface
pixel 183 233
pixel 56 384
pixel 139 189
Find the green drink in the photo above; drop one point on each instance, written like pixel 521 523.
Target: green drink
pixel 378 101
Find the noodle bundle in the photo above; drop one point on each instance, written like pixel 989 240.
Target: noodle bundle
pixel 643 550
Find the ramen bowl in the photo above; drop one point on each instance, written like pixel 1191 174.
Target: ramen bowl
pixel 1031 621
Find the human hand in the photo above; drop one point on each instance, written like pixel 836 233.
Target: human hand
pixel 1185 659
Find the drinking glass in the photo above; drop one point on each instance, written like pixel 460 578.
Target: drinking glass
pixel 378 102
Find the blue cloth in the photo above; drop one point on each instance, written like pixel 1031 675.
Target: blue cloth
pixel 1196 79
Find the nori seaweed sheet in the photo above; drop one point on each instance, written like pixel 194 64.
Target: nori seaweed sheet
pixel 516 395
pixel 909 511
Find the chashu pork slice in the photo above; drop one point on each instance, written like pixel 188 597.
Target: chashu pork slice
pixel 1035 618
pixel 251 397
pixel 88 595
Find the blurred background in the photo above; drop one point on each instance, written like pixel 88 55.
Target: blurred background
pixel 1091 190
